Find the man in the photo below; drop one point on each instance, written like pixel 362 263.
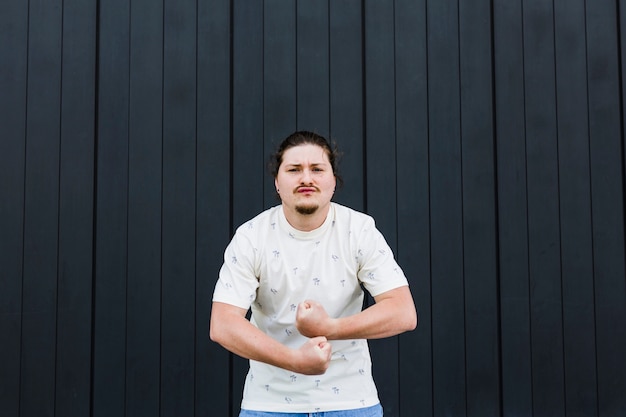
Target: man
pixel 299 267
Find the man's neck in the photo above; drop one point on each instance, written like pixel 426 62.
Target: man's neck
pixel 306 222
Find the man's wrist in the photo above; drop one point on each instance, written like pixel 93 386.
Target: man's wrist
pixel 334 329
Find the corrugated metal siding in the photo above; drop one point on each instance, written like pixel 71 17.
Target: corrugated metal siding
pixel 485 137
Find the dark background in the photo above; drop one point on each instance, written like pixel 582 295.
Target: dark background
pixel 485 137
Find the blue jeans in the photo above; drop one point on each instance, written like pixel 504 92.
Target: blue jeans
pixel 374 411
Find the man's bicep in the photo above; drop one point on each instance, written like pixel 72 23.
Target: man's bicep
pixel 401 294
pixel 224 310
pixel 224 319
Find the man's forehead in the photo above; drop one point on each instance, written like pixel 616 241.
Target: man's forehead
pixel 305 154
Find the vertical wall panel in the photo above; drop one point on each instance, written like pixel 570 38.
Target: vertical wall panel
pixel 575 211
pixel 448 318
pixel 248 166
pixel 621 4
pixel 312 66
pixel 380 153
pixel 479 212
pixel 73 366
pixel 13 79
pixel 279 83
pixel 247 123
pixel 109 331
pixel 346 98
pixel 516 378
pixel 413 253
pixel 179 209
pixel 143 296
pixel 543 210
pixel 380 150
pixel 607 204
pixel 213 179
pixel 41 210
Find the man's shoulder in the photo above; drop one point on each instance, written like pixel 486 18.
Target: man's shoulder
pixel 348 214
pixel 266 218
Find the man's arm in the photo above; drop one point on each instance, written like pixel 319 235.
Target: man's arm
pixel 393 313
pixel 230 328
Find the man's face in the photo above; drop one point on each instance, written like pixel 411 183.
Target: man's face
pixel 305 179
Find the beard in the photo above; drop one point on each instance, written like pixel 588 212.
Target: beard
pixel 307 210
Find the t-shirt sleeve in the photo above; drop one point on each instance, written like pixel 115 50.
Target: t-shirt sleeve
pixel 378 270
pixel 237 282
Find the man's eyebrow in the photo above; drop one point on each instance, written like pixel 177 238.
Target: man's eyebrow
pixel 295 164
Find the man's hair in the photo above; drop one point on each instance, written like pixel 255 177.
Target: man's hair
pixel 304 137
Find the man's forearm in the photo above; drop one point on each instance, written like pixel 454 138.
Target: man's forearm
pixel 393 313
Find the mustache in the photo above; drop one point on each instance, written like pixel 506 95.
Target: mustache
pixel 306 187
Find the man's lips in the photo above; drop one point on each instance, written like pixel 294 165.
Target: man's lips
pixel 306 190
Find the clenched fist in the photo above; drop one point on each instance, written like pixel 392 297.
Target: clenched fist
pixel 312 320
pixel 314 356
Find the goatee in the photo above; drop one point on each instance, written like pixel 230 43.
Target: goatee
pixel 307 210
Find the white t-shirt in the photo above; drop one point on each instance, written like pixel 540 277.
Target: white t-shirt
pixel 271 267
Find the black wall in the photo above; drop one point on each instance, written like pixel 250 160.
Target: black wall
pixel 486 138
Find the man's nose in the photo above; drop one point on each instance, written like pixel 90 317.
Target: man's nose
pixel 306 176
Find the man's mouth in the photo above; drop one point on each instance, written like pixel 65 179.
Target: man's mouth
pixel 306 190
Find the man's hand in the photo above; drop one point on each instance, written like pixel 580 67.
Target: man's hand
pixel 312 320
pixel 313 356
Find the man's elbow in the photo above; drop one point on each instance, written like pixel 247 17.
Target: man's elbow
pixel 212 333
pixel 409 311
pixel 414 322
pixel 411 321
pixel 215 333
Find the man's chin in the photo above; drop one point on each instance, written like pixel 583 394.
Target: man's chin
pixel 307 210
